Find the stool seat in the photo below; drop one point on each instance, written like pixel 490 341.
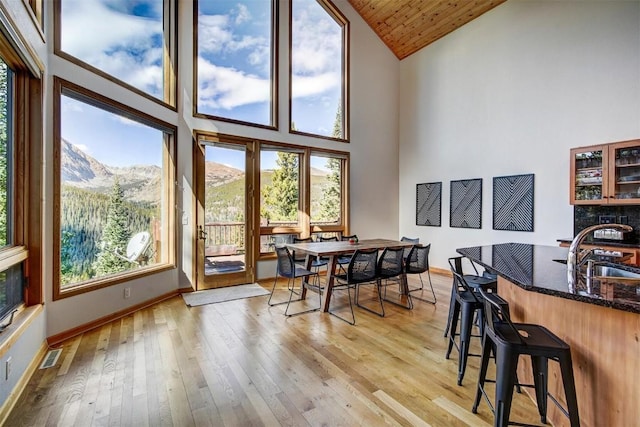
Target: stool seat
pixel 509 341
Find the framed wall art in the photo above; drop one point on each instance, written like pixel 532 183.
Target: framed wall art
pixel 429 204
pixel 513 202
pixel 466 203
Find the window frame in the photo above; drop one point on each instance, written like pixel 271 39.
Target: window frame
pixel 304 228
pixel 27 159
pixel 341 20
pixel 66 88
pixel 169 63
pixel 274 72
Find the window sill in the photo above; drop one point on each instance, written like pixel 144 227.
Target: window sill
pixel 21 321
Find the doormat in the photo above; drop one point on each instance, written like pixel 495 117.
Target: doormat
pixel 230 293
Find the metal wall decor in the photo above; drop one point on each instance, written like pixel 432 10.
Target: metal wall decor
pixel 429 204
pixel 513 202
pixel 466 203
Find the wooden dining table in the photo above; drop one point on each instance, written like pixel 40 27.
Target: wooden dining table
pixel 334 250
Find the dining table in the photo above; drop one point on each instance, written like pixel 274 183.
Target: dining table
pixel 332 250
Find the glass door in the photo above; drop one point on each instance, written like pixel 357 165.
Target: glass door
pixel 224 201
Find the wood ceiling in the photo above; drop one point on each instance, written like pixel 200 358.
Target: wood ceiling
pixel 407 26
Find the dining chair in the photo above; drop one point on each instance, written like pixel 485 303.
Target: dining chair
pixel 390 271
pixel 342 260
pixel 316 264
pixel 417 262
pixel 362 268
pixel 288 269
pixel 414 240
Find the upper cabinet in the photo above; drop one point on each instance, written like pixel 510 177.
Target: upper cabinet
pixel 606 174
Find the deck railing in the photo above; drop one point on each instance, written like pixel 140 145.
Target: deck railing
pixel 225 234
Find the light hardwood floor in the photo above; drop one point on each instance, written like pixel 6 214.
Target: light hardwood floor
pixel 242 363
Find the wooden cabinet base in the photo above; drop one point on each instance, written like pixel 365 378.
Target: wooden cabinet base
pixel 605 347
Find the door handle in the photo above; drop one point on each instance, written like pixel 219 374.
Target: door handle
pixel 202 235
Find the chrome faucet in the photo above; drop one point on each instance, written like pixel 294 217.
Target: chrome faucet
pixel 577 257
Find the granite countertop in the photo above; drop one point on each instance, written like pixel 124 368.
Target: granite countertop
pixel 543 269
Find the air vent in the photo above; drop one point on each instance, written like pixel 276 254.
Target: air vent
pixel 51 358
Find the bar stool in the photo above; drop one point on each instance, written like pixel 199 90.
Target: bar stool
pixel 466 304
pixel 510 340
pixel 487 281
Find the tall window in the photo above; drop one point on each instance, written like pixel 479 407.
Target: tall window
pixel 302 193
pixel 20 174
pixel 132 42
pixel 11 279
pixel 115 186
pixel 235 62
pixel 319 69
pixel 326 190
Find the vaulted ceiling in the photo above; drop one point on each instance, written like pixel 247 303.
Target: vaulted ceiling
pixel 407 26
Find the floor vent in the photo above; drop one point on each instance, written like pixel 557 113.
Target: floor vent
pixel 51 358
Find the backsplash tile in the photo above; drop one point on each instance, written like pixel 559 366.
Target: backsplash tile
pixel 585 216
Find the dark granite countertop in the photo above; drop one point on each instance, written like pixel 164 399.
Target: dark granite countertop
pixel 591 241
pixel 534 268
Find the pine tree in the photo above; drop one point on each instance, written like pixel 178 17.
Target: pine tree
pixel 114 236
pixel 281 197
pixel 330 203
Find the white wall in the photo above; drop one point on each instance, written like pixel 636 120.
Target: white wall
pixel 510 93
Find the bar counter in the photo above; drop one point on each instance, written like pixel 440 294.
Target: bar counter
pixel 601 326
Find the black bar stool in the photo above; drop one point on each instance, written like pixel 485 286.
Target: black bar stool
pixel 465 305
pixel 510 340
pixel 487 281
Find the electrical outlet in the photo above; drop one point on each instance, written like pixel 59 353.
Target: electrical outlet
pixel 185 219
pixel 127 292
pixel 7 369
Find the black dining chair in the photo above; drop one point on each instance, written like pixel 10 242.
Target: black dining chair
pixel 316 264
pixel 288 269
pixel 362 268
pixel 414 240
pixel 343 260
pixel 390 271
pixel 417 262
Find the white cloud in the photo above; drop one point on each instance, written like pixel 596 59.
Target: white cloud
pixel 116 42
pixel 242 14
pixel 303 86
pixel 227 88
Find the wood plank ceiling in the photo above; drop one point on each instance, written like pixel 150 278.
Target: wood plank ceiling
pixel 407 26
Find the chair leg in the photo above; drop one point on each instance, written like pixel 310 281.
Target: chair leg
pixel 454 325
pixel 466 323
pixel 353 317
pixel 540 368
pixel 484 364
pixel 292 292
pixel 507 364
pixel 432 301
pixel 452 303
pixel 379 292
pixel 273 290
pixel 566 369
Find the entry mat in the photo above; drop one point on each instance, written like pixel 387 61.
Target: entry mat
pixel 229 293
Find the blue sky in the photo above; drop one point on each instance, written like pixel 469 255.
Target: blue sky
pixel 124 39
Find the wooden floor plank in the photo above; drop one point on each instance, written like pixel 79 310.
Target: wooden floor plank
pixel 241 363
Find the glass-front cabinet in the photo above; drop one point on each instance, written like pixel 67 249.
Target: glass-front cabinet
pixel 588 172
pixel 624 179
pixel 606 174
